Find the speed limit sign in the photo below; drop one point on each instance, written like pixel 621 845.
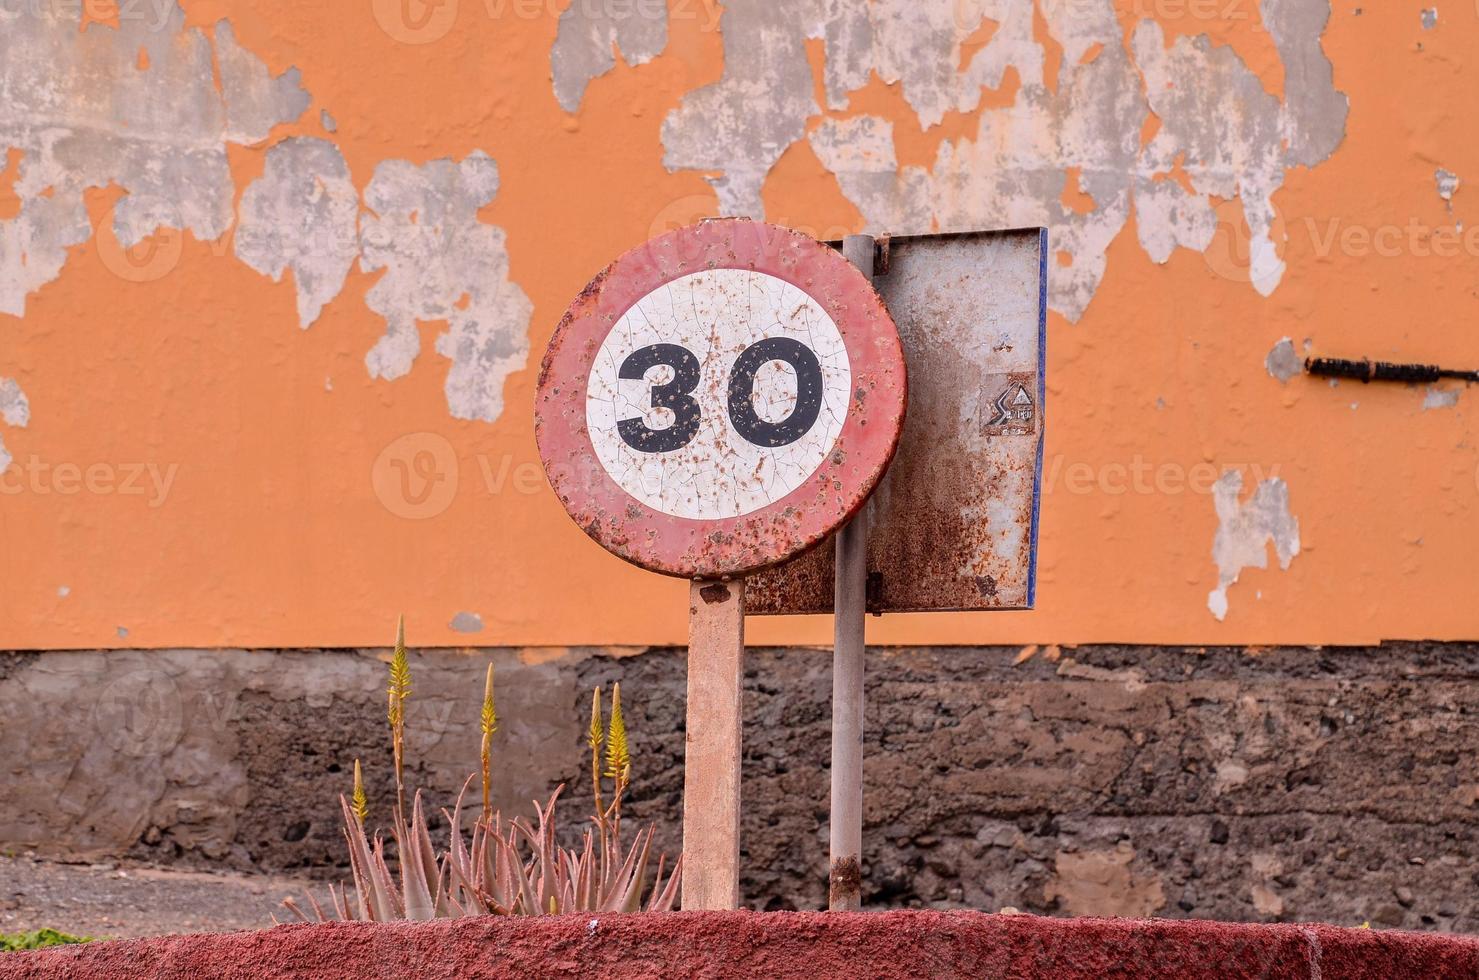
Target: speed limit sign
pixel 720 399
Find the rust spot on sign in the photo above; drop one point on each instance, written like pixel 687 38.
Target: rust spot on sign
pixel 845 884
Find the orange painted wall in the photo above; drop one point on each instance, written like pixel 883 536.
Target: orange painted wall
pixel 284 524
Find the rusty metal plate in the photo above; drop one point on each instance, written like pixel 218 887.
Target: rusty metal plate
pixel 953 525
pixel 720 399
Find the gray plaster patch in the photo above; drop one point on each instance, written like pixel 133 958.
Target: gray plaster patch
pixel 1282 361
pixel 1225 129
pixel 918 46
pixel 255 100
pixel 150 107
pixel 15 410
pixel 1436 397
pixel 1313 115
pixel 87 116
pixel 1245 530
pixel 302 214
pixel 442 263
pixel 1430 18
pixel 1231 139
pixel 738 127
pixel 585 37
pixel 327 121
pixel 1448 183
pixel 467 622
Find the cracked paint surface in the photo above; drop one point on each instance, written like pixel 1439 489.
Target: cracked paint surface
pixel 1219 128
pixel 1245 531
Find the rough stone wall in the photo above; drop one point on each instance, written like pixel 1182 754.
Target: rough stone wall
pixel 1339 785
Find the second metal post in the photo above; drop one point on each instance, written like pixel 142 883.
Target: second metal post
pixel 844 892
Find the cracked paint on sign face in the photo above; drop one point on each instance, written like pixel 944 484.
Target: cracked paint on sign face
pixel 1219 128
pixel 718 317
pixel 1246 528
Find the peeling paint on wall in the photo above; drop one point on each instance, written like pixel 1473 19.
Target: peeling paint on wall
pixel 1448 184
pixel 139 106
pixel 1436 397
pixel 255 101
pixel 87 115
pixel 1220 130
pixel 444 264
pixel 1245 531
pixel 467 622
pixel 740 125
pixel 585 38
pixel 1282 362
pixel 15 410
pixel 302 214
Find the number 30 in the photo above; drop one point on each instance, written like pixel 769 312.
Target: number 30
pixel 677 395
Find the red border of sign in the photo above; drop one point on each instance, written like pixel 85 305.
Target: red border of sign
pixel 781 530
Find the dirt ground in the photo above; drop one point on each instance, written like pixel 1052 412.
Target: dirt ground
pixel 109 901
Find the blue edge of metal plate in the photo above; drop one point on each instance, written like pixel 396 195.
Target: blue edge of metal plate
pixel 1042 408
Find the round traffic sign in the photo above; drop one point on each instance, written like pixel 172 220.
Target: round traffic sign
pixel 720 399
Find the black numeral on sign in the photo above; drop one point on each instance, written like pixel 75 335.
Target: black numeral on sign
pixel 742 414
pixel 677 395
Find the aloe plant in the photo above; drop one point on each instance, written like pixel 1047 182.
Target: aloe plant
pixel 501 868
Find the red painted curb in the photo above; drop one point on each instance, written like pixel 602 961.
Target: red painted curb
pixel 776 944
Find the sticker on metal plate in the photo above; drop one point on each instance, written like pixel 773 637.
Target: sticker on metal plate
pixel 720 399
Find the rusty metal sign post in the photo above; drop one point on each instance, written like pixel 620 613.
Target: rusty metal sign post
pixel 714 403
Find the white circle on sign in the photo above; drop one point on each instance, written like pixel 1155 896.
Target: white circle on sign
pixel 717 394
